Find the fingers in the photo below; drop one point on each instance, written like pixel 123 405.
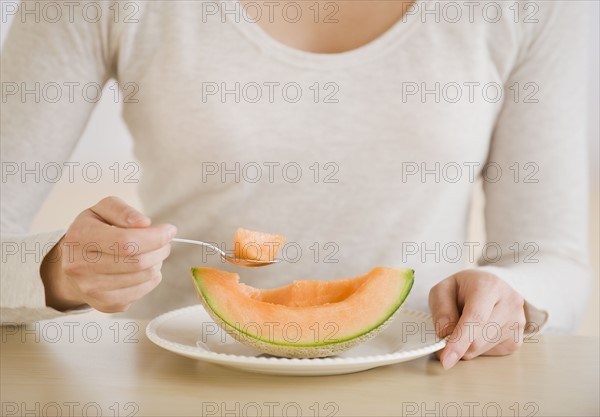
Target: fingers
pixel 106 264
pixel 477 311
pixel 443 305
pixel 95 287
pixel 119 299
pixel 95 229
pixel 114 211
pixel 101 237
pixel 503 334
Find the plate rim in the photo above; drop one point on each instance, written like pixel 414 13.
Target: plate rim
pixel 229 358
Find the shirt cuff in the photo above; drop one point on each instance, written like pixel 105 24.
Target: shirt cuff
pixel 23 296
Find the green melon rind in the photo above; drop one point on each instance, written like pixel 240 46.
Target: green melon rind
pixel 302 350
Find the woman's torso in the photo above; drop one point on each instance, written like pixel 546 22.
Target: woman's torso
pixel 360 159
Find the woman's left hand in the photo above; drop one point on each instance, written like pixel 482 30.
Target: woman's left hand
pixel 482 314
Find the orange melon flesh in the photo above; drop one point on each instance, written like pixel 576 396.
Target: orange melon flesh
pixel 304 318
pixel 258 246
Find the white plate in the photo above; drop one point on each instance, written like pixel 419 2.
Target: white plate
pixel 191 332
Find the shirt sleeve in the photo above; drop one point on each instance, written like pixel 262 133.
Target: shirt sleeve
pixel 51 73
pixel 537 211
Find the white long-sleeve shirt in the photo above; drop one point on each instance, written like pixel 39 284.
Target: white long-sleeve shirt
pixel 362 158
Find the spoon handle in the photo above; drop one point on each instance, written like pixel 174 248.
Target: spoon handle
pixel 197 242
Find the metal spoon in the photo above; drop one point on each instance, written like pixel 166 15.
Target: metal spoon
pixel 229 258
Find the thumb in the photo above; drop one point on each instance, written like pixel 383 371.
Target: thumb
pixel 443 305
pixel 114 211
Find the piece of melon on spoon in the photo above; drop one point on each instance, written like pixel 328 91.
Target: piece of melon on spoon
pixel 256 246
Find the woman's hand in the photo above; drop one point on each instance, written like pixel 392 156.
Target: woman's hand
pixel 109 258
pixel 482 314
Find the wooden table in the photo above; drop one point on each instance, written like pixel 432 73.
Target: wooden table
pixel 77 366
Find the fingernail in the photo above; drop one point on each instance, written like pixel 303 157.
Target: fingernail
pixel 172 231
pixel 450 360
pixel 134 218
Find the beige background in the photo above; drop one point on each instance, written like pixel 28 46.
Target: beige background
pixel 106 140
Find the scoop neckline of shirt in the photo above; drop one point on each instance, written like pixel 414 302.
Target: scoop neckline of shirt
pixel 271 46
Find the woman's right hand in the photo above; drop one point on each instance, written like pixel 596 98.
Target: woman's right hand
pixel 109 258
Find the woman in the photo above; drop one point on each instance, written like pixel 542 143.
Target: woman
pixel 357 129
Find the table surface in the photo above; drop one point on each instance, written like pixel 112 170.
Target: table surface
pixel 76 366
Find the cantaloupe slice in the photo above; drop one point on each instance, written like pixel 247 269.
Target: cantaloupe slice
pixel 258 246
pixel 305 319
